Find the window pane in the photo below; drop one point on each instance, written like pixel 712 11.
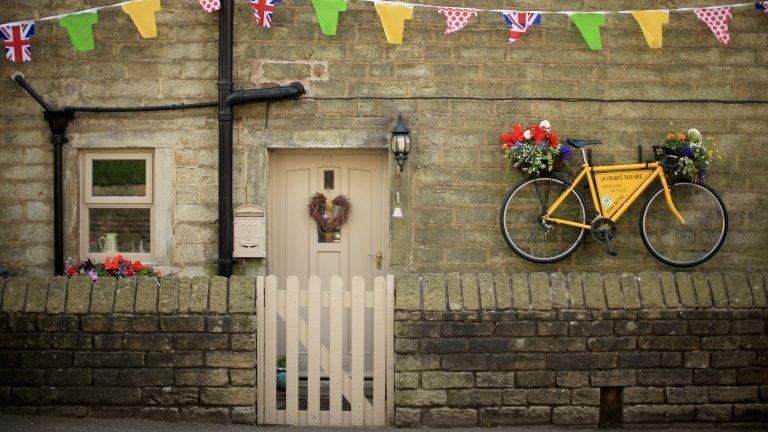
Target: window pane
pixel 112 177
pixel 119 230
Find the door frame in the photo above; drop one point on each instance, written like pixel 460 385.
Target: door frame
pixel 386 174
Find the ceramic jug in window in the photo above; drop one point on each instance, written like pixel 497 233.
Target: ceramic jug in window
pixel 108 243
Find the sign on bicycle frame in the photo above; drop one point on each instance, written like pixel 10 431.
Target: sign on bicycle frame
pixel 614 188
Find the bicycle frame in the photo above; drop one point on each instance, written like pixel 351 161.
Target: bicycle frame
pixel 652 170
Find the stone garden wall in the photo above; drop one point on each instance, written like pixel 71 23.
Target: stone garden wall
pixel 484 350
pixel 181 350
pixel 471 349
pixel 457 93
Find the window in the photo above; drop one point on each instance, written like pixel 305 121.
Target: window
pixel 117 205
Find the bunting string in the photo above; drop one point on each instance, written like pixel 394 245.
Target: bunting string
pixel 17 36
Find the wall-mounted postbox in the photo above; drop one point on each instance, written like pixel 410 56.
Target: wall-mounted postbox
pixel 250 232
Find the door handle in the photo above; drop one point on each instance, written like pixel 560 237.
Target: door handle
pixel 379 258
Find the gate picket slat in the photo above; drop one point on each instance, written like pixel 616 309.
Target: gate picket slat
pixel 292 351
pixel 270 351
pixel 357 327
pixel 335 351
pixel 390 348
pixel 379 347
pixel 314 330
pixel 260 348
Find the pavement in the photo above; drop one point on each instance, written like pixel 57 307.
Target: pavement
pixel 15 423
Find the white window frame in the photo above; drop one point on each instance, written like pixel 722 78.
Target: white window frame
pixel 88 201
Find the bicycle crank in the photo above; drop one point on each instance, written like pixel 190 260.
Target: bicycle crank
pixel 604 231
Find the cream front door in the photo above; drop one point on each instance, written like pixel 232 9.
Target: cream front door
pixel 295 246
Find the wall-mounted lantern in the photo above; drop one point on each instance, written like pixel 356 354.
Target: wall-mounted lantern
pixel 400 144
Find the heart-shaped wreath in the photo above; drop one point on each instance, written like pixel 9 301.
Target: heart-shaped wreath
pixel 330 216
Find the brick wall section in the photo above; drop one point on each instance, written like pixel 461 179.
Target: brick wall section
pixel 485 350
pixel 180 349
pixel 450 90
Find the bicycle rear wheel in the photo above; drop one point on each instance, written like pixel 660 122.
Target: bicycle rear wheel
pixel 525 231
pixel 684 245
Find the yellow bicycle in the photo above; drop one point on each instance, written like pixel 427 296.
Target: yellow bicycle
pixel 544 219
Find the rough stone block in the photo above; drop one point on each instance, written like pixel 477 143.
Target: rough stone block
pixel 78 294
pixel 434 292
pixel 575 292
pixel 37 293
pixel 474 397
pixel 200 341
pixel 650 290
pixel 559 289
pixel 453 290
pixel 446 380
pixel 57 295
pixel 125 294
pixel 658 413
pixel 200 377
pixel 185 287
pixel 408 292
pixel 407 417
pixel 575 415
pixel 541 294
pixel 669 289
pixel 507 416
pixel 594 297
pixel 738 289
pixel 586 396
pixel 630 290
pixel 228 396
pixel 686 395
pixel 685 290
pixel 230 359
pixel 406 363
pixel 103 296
pixel 614 299
pixel 449 417
pixel 712 413
pixel 613 378
pixel 204 415
pixel 182 323
pixel 660 377
pixel 242 294
pixel 487 291
pixel 757 284
pixel 521 297
pixel 15 294
pixel 549 396
pixel 701 288
pixel 146 295
pixel 198 297
pixel 470 292
pixel 719 294
pixel 495 379
pixel 168 297
pixel 419 398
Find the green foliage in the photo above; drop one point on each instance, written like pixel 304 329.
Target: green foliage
pixel 107 172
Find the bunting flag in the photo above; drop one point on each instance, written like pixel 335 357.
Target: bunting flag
pixel 17 41
pixel 263 10
pixel 393 16
pixel 762 6
pixel 80 29
pixel 520 22
pixel 210 5
pixel 327 12
pixel 717 21
pixel 456 18
pixel 589 26
pixel 650 22
pixel 142 12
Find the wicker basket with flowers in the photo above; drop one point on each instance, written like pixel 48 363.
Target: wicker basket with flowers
pixel 534 150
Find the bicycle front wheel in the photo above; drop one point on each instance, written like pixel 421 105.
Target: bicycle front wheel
pixel 684 245
pixel 525 231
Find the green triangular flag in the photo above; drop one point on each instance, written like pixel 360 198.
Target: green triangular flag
pixel 589 25
pixel 79 29
pixel 327 12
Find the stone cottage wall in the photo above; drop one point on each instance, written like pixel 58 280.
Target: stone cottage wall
pixel 484 350
pixel 183 349
pixel 457 93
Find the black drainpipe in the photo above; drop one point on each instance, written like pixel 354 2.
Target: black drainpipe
pixel 225 139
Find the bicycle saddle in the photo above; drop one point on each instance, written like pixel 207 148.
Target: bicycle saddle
pixel 580 143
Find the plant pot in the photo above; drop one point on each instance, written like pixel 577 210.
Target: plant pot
pixel 280 379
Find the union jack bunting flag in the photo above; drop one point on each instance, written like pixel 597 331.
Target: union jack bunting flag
pixel 762 6
pixel 262 11
pixel 520 22
pixel 16 41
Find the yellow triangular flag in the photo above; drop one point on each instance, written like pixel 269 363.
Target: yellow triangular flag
pixel 650 23
pixel 142 13
pixel 393 16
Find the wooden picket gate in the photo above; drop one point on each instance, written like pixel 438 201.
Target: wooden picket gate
pixel 326 363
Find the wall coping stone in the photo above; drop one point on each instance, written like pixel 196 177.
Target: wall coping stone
pixel 543 292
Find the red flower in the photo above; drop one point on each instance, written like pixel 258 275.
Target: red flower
pixel 507 138
pixel 538 134
pixel 71 271
pixel 112 264
pixel 128 272
pixel 136 266
pixel 553 140
pixel 517 133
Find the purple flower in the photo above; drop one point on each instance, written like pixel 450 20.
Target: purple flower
pixel 565 152
pixel 685 151
pixel 93 275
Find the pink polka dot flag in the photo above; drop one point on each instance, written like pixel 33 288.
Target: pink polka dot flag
pixel 456 18
pixel 210 5
pixel 717 21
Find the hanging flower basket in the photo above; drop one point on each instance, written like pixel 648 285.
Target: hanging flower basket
pixel 695 155
pixel 535 150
